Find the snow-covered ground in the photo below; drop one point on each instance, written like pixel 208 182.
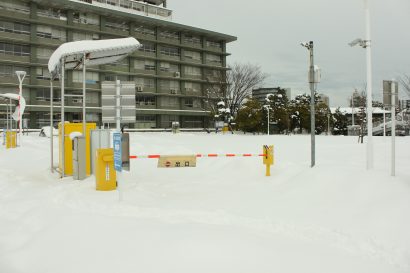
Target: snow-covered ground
pixel 222 216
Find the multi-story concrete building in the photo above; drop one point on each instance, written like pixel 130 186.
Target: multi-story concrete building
pixel 171 70
pixel 260 93
pixel 324 99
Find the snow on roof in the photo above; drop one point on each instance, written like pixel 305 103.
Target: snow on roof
pixel 98 52
pixel 20 108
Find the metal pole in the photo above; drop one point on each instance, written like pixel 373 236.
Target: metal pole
pixel 268 120
pixel 312 106
pixel 84 121
pixel 352 111
pixel 393 129
pixel 328 124
pixel 51 126
pixel 118 105
pixel 369 90
pixel 20 117
pixel 7 115
pixel 384 121
pixel 62 120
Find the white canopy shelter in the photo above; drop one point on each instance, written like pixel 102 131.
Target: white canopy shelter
pixel 76 55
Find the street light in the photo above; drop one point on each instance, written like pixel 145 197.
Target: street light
pixel 267 107
pixel 20 75
pixel 366 44
pixel 314 78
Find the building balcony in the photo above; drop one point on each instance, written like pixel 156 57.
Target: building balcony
pixel 133 7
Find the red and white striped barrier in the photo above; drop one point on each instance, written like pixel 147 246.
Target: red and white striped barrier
pixel 199 155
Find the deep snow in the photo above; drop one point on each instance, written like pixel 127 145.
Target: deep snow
pixel 222 216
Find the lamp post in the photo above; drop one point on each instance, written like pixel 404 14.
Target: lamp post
pixel 314 78
pixel 328 123
pixel 366 44
pixel 20 75
pixel 267 107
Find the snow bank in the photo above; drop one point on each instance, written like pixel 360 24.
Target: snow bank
pixel 222 216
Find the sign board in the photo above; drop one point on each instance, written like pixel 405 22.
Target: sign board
pixel 177 161
pixel 219 124
pixel 108 102
pixel 387 93
pixel 125 151
pixel 117 151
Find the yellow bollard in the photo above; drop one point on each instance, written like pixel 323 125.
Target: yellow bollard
pixel 11 139
pixel 105 175
pixel 268 158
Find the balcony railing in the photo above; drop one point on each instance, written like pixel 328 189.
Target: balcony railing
pixel 131 6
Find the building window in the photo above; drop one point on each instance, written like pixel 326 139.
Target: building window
pixel 79 36
pixel 169 51
pixel 169 102
pixel 214 59
pixel 117 25
pixel 10 70
pixel 191 39
pixel 43 94
pixel 169 85
pixel 13 27
pixel 145 100
pixel 193 55
pixel 14 49
pixel 52 13
pixel 192 70
pixel 192 103
pixel 192 88
pixel 171 35
pixel 114 77
pixel 44 53
pixel 42 73
pixel 92 98
pixel 144 83
pixel 86 18
pixel 169 67
pixel 91 77
pixel 51 33
pixel 214 44
pixel 147 47
pixel 212 74
pixel 145 30
pixel 144 64
pixel 15 6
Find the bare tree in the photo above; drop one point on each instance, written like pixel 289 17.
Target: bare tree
pixel 405 82
pixel 235 86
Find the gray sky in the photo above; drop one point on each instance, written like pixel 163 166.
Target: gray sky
pixel 269 33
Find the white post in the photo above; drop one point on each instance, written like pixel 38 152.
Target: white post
pixel 51 126
pixel 118 125
pixel 118 105
pixel 20 75
pixel 384 121
pixel 84 121
pixel 352 111
pixel 369 90
pixel 268 119
pixel 393 129
pixel 62 119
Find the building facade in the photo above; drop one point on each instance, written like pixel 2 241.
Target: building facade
pixel 171 70
pixel 260 93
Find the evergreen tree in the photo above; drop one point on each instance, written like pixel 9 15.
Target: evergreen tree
pixel 250 117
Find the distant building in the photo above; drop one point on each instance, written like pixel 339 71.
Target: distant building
pixel 404 104
pixel 260 93
pixel 324 98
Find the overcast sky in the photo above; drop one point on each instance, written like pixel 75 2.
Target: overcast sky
pixel 269 33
